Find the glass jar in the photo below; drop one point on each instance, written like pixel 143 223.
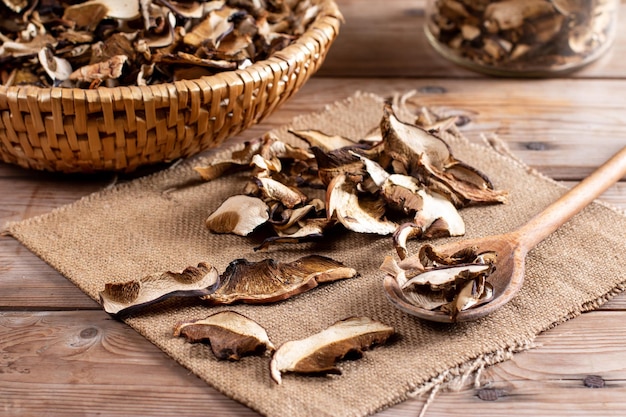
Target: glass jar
pixel 521 37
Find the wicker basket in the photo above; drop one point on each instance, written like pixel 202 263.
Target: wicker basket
pixel 122 128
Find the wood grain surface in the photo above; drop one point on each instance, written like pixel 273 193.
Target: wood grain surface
pixel 61 355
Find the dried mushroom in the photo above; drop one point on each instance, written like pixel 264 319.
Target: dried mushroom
pixel 357 214
pixel 166 40
pixel 318 353
pixel 239 214
pixel 321 140
pixel 402 180
pixel 450 284
pixel 130 296
pixel 230 334
pixel 523 35
pixel 269 281
pixel 261 282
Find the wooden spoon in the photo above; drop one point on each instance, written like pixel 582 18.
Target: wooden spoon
pixel 512 247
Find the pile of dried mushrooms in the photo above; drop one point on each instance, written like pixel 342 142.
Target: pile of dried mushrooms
pixel 523 34
pixel 401 181
pixel 138 42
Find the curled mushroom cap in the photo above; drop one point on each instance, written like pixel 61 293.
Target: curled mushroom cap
pixel 317 354
pixel 239 214
pixel 316 138
pixel 357 214
pixel 230 334
pixel 411 150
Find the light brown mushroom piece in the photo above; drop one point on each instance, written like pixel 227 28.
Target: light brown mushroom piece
pixel 239 214
pixel 316 138
pixel 212 29
pixel 359 214
pixel 273 190
pixel 318 353
pixel 58 69
pixel 231 335
pixel 123 298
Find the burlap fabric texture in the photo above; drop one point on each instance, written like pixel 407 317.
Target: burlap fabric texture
pixel 156 223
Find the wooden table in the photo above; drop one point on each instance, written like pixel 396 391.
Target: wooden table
pixel 60 354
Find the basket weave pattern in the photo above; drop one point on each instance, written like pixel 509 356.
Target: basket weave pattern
pixel 122 128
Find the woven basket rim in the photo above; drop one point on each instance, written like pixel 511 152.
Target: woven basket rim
pixel 329 14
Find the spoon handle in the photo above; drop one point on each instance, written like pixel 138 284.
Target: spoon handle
pixel 573 201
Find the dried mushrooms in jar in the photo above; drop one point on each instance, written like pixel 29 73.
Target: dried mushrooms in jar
pixel 522 37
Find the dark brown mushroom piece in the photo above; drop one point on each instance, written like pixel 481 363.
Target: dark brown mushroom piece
pixel 269 281
pixel 319 353
pixel 231 335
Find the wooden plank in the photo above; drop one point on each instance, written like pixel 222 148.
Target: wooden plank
pixel 80 363
pixel 27 282
pixel 84 362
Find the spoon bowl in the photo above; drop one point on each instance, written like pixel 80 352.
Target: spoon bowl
pixel 511 248
pixel 506 279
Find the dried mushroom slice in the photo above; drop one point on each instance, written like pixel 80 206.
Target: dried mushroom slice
pixel 318 353
pixel 269 281
pixel 272 189
pixel 307 230
pixel 239 159
pixel 359 214
pixel 318 139
pixel 239 214
pixel 230 334
pixel 124 298
pixel 445 276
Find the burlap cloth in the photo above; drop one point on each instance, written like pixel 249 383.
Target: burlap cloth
pixel 156 223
